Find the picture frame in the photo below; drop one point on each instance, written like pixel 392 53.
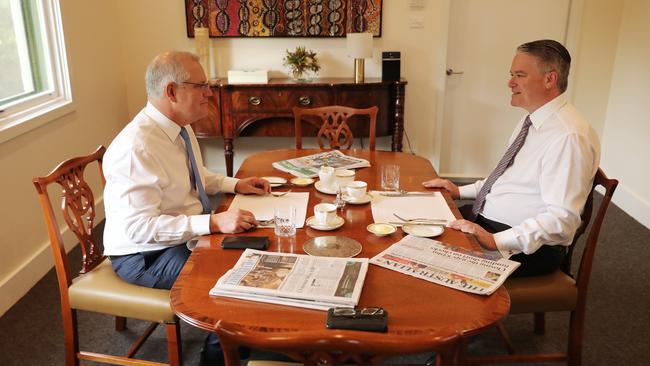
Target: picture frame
pixel 284 18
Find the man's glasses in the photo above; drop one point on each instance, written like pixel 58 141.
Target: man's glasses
pixel 203 86
pixel 357 313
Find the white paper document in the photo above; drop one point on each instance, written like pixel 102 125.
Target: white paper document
pixel 409 207
pixel 262 206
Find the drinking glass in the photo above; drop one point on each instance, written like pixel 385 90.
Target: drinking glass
pixel 390 177
pixel 285 221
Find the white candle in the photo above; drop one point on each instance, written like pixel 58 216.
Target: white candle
pixel 201 41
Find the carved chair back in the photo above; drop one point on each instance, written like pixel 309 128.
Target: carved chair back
pixel 78 209
pixel 332 122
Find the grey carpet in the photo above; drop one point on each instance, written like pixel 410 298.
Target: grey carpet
pixel 617 330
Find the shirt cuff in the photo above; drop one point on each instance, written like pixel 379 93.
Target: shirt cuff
pixel 507 243
pixel 467 191
pixel 200 224
pixel 228 184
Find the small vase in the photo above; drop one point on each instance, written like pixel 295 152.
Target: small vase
pixel 301 76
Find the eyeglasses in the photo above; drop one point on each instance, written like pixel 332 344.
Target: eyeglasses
pixel 203 86
pixel 357 313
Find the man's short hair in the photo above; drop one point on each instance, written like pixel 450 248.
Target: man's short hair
pixel 552 55
pixel 165 68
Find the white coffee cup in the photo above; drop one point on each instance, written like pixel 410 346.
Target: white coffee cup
pixel 344 177
pixel 325 213
pixel 357 189
pixel 327 176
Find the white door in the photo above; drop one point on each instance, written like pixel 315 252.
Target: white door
pixel 483 37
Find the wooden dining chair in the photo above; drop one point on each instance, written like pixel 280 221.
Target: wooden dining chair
pixel 332 125
pixel 97 288
pixel 558 291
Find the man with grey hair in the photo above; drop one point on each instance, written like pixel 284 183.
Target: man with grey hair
pixel 529 207
pixel 156 185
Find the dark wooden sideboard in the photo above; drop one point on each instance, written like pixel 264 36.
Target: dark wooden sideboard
pixel 266 109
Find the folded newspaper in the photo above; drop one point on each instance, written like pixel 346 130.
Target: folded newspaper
pixel 459 268
pixel 294 279
pixel 308 166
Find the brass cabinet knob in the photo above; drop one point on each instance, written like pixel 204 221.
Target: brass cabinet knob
pixel 304 100
pixel 255 100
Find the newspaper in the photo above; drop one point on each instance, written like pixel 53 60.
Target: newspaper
pixel 455 267
pixel 308 166
pixel 294 279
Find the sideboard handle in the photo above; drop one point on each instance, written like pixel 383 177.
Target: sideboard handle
pixel 255 100
pixel 304 100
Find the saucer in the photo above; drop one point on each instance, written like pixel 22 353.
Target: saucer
pixel 302 182
pixel 425 231
pixel 357 201
pixel 381 229
pixel 275 181
pixel 326 190
pixel 312 223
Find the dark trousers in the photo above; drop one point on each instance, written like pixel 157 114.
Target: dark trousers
pixel 544 260
pixel 159 269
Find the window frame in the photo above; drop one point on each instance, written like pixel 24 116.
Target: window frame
pixel 39 108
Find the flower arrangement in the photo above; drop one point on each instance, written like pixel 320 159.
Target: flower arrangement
pixel 301 61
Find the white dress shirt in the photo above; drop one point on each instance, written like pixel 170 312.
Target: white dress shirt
pixel 150 203
pixel 542 194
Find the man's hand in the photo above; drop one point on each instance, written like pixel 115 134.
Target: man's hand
pixel 253 185
pixel 232 221
pixel 445 184
pixel 485 238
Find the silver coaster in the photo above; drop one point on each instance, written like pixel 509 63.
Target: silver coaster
pixel 332 246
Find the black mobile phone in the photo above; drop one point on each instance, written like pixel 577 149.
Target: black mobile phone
pixel 243 242
pixel 369 319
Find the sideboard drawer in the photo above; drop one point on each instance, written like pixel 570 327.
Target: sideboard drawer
pixel 280 101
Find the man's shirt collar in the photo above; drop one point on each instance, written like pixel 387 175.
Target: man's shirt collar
pixel 542 113
pixel 168 126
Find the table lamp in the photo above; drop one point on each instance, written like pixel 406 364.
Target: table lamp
pixel 359 47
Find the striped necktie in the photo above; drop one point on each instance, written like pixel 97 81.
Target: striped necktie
pixel 504 163
pixel 195 177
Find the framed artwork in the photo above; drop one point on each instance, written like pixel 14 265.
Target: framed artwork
pixel 284 18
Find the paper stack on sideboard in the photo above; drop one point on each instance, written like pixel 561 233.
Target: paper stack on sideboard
pixel 257 76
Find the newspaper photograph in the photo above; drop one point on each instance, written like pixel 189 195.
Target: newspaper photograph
pixel 308 166
pixel 294 279
pixel 459 268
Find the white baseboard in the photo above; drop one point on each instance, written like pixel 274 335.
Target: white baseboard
pixel 632 204
pixel 17 284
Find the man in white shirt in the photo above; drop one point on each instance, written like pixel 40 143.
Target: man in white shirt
pixel 532 210
pixel 154 202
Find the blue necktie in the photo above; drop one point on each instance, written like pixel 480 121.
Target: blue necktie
pixel 195 178
pixel 507 160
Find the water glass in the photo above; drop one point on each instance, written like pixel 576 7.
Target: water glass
pixel 285 220
pixel 390 177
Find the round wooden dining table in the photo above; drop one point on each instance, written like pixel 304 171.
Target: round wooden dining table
pixel 423 316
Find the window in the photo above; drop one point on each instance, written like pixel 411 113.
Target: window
pixel 34 82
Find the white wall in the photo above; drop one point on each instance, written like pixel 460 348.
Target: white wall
pixel 627 125
pixel 100 110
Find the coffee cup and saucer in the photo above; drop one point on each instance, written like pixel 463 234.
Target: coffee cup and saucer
pixel 325 218
pixel 356 193
pixel 327 180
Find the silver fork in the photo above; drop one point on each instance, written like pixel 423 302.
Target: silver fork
pixel 420 219
pixel 265 222
pixel 279 194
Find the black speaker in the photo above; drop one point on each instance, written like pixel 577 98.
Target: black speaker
pixel 390 66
